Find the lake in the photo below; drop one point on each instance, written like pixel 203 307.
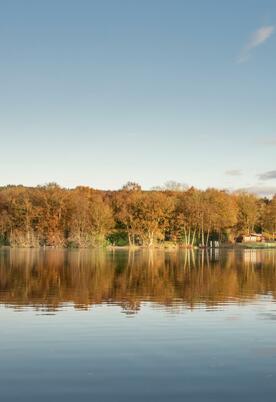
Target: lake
pixel 137 326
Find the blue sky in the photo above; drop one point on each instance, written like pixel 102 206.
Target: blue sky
pixel 101 92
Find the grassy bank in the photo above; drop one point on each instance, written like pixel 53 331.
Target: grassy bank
pixel 159 246
pixel 258 245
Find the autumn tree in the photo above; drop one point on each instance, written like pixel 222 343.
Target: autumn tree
pixel 131 186
pixel 152 214
pixel 5 219
pixel 50 202
pixel 17 217
pixel 248 212
pixel 219 212
pixel 89 219
pixel 187 218
pixel 270 217
pixel 124 206
pixel 200 213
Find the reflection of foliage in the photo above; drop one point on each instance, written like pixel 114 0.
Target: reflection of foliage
pixel 49 278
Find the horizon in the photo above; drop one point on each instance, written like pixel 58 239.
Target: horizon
pixel 99 93
pixel 169 186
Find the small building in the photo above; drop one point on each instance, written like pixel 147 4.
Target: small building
pixel 250 238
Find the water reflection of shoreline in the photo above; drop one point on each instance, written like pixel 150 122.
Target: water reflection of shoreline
pixel 47 279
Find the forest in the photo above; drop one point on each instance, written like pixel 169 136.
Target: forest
pixel 82 217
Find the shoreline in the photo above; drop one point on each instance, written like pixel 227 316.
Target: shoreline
pixel 230 246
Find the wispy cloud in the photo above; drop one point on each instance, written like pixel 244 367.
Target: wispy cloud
pixel 234 172
pixel 268 175
pixel 256 39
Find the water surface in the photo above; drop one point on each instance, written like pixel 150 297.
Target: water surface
pixel 140 326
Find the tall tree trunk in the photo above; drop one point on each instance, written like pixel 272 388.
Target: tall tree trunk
pixel 207 238
pixel 193 238
pixel 151 238
pixel 185 236
pixel 129 239
pixel 189 236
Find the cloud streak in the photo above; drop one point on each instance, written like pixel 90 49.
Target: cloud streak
pixel 268 175
pixel 257 38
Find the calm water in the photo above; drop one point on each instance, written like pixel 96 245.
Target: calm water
pixel 143 326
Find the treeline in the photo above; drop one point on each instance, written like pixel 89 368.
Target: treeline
pixel 83 217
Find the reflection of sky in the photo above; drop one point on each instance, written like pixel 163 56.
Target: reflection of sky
pixel 154 354
pixel 101 92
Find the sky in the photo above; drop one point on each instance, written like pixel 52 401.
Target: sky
pixel 99 92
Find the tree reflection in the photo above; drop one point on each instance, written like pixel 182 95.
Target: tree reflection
pixel 46 279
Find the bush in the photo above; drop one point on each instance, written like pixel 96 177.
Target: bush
pixel 118 239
